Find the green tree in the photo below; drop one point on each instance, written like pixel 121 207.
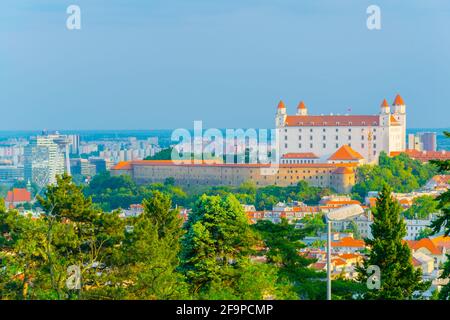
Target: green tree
pixel 424 233
pixel 149 257
pixel 217 244
pixel 76 234
pixel 399 280
pixel 402 173
pixel 443 221
pixel 422 207
pixel 283 243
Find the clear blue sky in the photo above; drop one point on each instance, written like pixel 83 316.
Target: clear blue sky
pixel 159 64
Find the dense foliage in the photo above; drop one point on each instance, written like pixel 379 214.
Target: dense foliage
pixel 443 221
pixel 421 208
pixel 388 252
pixel 402 173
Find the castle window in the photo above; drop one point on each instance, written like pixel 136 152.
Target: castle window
pixel 374 137
pixel 374 145
pixel 350 129
pixel 299 137
pixel 362 145
pixel 324 145
pixel 337 145
pixel 337 129
pixel 311 145
pixel 300 145
pixel 310 138
pixel 349 137
pixel 300 130
pixel 362 137
pixel 337 138
pixel 285 145
pixel 285 130
pixel 311 130
pixel 324 128
pixel 324 138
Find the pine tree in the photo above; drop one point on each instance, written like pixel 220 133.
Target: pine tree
pixel 388 251
pixel 151 252
pixel 443 221
pixel 217 243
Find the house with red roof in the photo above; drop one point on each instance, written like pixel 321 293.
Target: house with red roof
pixel 16 197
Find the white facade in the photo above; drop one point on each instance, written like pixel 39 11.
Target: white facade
pixel 324 134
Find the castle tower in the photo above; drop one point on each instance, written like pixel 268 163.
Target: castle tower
pixel 301 109
pixel 399 113
pixel 385 113
pixel 281 115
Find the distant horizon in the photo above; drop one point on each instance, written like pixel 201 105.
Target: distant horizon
pixel 162 64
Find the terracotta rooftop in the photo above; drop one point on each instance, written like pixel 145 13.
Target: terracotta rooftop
pixel 18 195
pixel 301 105
pixel 332 120
pixel 424 156
pixel 349 242
pixel 301 155
pixel 281 105
pixel 398 101
pixel 345 153
pixel 424 243
pixel 385 103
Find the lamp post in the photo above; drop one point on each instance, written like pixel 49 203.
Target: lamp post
pixel 342 213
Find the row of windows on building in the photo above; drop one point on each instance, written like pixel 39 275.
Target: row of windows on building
pixel 301 161
pixel 325 130
pixel 324 146
pixel 324 138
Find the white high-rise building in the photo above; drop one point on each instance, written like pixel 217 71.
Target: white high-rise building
pixel 44 159
pixel 324 135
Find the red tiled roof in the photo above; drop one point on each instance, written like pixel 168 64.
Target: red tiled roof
pixel 424 156
pixel 18 195
pixel 341 202
pixel 398 101
pixel 281 105
pixel 442 242
pixel 301 105
pixel 334 121
pixel 348 242
pixel 424 243
pixel 385 103
pixel 300 155
pixel 345 153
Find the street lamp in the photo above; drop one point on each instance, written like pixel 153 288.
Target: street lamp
pixel 342 213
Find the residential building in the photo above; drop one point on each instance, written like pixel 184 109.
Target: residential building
pixel 44 159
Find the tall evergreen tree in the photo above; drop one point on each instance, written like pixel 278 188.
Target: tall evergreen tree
pixel 388 251
pixel 218 237
pixel 443 221
pixel 151 252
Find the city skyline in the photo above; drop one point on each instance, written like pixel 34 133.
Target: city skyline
pixel 165 64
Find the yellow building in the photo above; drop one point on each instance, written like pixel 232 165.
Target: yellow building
pixel 339 176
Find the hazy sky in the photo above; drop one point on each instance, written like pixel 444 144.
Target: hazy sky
pixel 155 64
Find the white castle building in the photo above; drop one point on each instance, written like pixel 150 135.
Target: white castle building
pixel 305 138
